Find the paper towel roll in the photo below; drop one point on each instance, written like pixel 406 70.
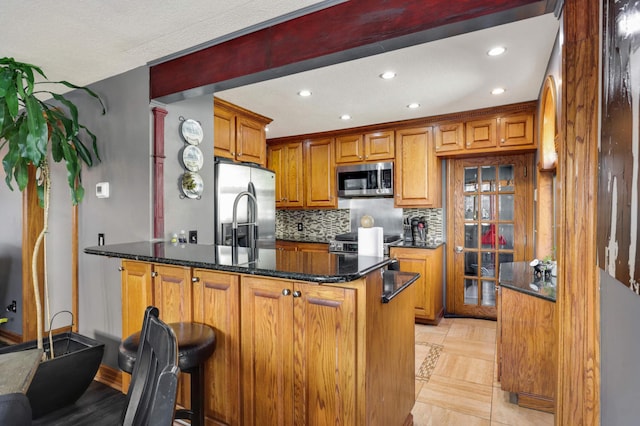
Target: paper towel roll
pixel 370 241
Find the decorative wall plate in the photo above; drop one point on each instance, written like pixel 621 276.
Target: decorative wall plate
pixel 191 131
pixel 192 185
pixel 192 158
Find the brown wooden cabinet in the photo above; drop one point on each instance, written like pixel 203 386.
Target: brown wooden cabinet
pixel 428 303
pixel 287 161
pixel 216 302
pixel 449 137
pixel 294 336
pixel 238 133
pixel 493 133
pixel 527 346
pixel 320 185
pixel 358 148
pixel 418 173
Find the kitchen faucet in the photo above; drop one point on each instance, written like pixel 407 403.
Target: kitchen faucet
pixel 252 219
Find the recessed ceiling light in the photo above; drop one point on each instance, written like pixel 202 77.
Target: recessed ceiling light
pixel 387 75
pixel 345 117
pixel 497 91
pixel 496 51
pixel 413 105
pixel 304 93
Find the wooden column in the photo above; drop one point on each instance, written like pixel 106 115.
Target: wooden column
pixel 158 171
pixel 578 392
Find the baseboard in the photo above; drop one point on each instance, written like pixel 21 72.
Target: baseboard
pixel 10 337
pixel 109 376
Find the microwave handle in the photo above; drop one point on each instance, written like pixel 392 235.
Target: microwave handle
pixel 379 181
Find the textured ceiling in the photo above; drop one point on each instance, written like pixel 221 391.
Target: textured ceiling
pixel 84 41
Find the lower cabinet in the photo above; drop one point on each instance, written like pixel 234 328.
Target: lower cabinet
pixel 527 346
pixel 429 308
pixel 287 352
pixel 298 353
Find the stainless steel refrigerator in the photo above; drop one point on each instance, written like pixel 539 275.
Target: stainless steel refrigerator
pixel 250 190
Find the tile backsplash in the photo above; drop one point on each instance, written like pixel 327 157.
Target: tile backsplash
pixel 322 225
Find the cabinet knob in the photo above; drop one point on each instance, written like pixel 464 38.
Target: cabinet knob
pixel 502 140
pixel 286 292
pixel 195 279
pixel 154 274
pixel 297 293
pixel 120 268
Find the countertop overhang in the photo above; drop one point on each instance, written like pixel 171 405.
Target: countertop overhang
pixel 519 276
pixel 295 265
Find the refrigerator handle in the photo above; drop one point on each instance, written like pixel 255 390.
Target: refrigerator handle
pixel 253 215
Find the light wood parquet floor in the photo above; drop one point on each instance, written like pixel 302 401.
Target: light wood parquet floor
pixel 463 388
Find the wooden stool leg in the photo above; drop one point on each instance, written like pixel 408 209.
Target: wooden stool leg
pixel 197 396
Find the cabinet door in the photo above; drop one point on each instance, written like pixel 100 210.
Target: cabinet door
pixel 324 355
pixel 172 293
pixel 276 162
pixel 428 288
pixel 224 133
pixel 216 302
pixel 267 351
pixel 250 141
pixel 449 137
pixel 516 130
pixel 349 149
pixel 379 146
pixel 294 175
pixel 482 134
pixel 320 188
pixel 172 296
pixel 137 294
pixel 418 173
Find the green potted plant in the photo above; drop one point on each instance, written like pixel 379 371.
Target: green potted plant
pixel 32 131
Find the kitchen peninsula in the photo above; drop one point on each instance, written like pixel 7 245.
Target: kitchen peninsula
pixel 302 337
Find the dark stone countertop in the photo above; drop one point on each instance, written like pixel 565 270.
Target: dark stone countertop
pixel 519 276
pixel 301 239
pixel 296 265
pixel 410 244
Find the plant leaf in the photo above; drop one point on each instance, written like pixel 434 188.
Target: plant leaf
pixel 11 97
pixel 85 89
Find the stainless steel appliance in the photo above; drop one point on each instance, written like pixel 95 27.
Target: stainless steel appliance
pixel 245 204
pixel 348 243
pixel 365 180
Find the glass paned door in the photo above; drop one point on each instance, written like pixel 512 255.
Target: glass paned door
pixel 492 218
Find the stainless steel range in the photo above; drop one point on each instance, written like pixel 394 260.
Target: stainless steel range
pixel 348 243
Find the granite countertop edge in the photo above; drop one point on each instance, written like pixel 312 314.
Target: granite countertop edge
pixel 241 269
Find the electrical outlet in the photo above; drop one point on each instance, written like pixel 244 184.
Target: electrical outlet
pixel 13 307
pixel 299 226
pixel 193 237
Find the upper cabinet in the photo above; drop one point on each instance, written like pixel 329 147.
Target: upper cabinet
pixel 238 134
pixel 320 175
pixel 358 148
pixel 287 161
pixel 506 129
pixel 418 173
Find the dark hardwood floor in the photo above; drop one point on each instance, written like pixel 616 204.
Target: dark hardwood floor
pixel 100 405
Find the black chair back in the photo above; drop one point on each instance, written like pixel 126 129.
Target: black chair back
pixel 152 393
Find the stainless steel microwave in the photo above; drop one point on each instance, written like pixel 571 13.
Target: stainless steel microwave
pixel 365 180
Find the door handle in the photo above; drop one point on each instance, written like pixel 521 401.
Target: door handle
pixel 458 249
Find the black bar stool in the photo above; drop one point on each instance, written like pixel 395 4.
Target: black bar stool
pixel 196 343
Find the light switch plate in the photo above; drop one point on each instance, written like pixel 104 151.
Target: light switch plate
pixel 102 190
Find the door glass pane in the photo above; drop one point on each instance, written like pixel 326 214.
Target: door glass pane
pixel 488 293
pixel 471 263
pixel 488 264
pixel 506 177
pixel 470 179
pixel 505 236
pixel 470 235
pixel 506 207
pixel 488 238
pixel 505 257
pixel 486 201
pixel 488 178
pixel 470 207
pixel 470 292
